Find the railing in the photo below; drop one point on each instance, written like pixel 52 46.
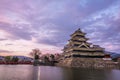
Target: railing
pixel 81 43
pixel 77 33
pixel 88 49
pixel 80 39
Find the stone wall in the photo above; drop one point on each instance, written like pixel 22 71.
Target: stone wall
pixel 88 63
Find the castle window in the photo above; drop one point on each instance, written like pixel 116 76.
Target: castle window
pixel 76 45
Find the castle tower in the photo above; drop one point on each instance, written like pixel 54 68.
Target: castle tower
pixel 80 53
pixel 79 47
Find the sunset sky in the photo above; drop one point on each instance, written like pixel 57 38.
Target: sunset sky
pixel 47 24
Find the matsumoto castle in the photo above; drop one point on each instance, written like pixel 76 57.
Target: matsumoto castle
pixel 80 53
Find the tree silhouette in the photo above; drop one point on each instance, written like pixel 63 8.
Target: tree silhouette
pixel 7 58
pixel 35 53
pixel 15 59
pixel 52 57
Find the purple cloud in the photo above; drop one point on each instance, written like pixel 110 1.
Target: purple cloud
pixel 2 39
pixel 4 51
pixel 18 32
pixel 51 22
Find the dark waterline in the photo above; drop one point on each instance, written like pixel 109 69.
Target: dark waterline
pixel 29 72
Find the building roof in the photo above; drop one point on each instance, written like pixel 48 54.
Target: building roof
pixel 79 43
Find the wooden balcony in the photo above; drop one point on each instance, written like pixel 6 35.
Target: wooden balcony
pixel 78 33
pixel 80 39
pixel 87 49
pixel 81 43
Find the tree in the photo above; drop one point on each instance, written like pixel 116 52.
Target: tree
pixel 35 53
pixel 15 59
pixel 8 58
pixel 46 60
pixel 52 57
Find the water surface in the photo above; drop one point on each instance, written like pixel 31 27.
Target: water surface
pixel 29 72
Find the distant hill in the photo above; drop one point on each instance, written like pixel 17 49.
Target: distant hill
pixel 1 57
pixel 23 57
pixel 113 54
pixel 20 58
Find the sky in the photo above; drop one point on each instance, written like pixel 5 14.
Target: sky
pixel 47 24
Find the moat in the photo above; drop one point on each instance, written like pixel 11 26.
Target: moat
pixel 29 72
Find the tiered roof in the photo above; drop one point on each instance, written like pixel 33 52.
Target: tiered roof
pixel 78 43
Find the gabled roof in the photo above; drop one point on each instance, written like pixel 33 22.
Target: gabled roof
pixel 83 44
pixel 78 31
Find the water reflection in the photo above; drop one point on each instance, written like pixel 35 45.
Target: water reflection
pixel 87 74
pixel 16 72
pixel 29 72
pixel 36 73
pixel 57 73
pixel 51 73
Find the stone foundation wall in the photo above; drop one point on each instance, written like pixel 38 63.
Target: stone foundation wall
pixel 88 63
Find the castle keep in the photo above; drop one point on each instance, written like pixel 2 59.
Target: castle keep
pixel 80 53
pixel 79 47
